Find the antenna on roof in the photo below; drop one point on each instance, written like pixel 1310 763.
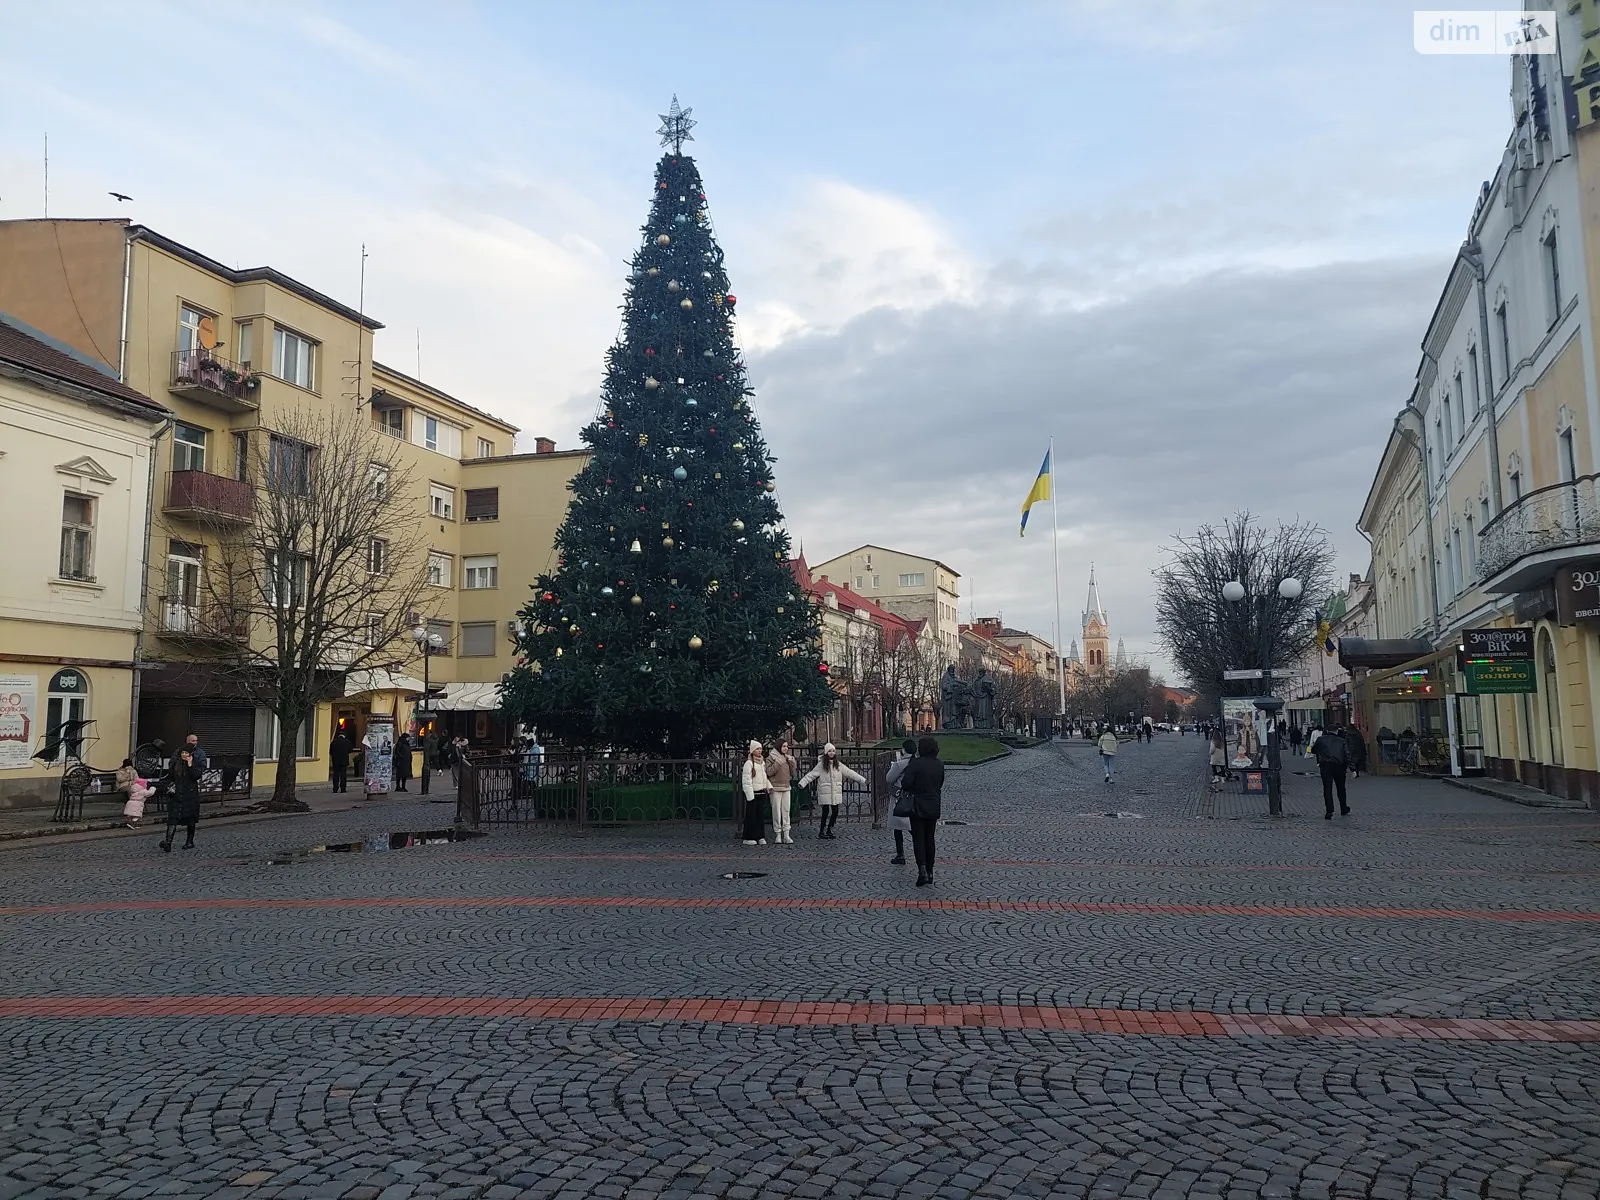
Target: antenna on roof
pixel 419 352
pixel 47 173
pixel 354 381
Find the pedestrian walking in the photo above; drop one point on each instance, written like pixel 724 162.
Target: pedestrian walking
pixel 136 791
pixel 781 769
pixel 921 791
pixel 183 806
pixel 1219 759
pixel 1356 745
pixel 1149 730
pixel 829 775
pixel 901 825
pixel 402 760
pixel 757 789
pixel 1108 752
pixel 1332 753
pixel 1296 738
pixel 339 761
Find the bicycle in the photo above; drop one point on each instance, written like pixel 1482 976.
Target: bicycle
pixel 1420 757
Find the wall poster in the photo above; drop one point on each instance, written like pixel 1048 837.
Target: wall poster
pixel 19 718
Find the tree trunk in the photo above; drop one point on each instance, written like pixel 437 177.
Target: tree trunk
pixel 283 791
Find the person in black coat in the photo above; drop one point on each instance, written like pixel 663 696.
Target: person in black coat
pixel 339 761
pixel 402 760
pixel 183 808
pixel 923 781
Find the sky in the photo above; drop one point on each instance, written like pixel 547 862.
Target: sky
pixel 1195 241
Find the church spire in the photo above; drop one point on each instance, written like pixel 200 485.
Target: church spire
pixel 1093 609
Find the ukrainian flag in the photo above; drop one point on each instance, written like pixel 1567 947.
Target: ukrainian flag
pixel 1040 491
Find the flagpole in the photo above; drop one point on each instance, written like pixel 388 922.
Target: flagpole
pixel 1055 552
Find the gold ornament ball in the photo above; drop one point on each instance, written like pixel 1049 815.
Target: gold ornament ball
pixel 674 286
pixel 695 643
pixel 573 630
pixel 668 542
pixel 653 272
pixel 772 487
pixel 637 601
pixel 738 525
pixel 686 303
pixel 652 382
pixel 663 240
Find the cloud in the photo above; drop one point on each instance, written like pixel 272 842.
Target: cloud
pixel 1270 390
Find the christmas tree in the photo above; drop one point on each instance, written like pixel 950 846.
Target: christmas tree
pixel 672 623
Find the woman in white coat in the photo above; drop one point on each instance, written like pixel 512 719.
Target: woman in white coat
pixel 829 775
pixel 756 790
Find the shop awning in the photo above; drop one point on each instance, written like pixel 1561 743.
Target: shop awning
pixel 467 697
pixel 357 683
pixel 1377 653
pixel 1309 704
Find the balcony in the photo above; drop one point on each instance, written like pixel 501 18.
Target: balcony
pixel 206 378
pixel 200 621
pixel 1538 534
pixel 208 499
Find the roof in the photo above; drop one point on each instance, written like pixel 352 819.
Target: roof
pixel 26 351
pixel 144 233
pixel 847 598
pixel 907 553
pixel 445 396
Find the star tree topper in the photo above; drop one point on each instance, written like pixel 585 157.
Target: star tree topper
pixel 675 126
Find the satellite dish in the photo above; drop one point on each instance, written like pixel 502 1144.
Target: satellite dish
pixel 207 333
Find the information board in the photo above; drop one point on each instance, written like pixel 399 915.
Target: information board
pixel 1508 677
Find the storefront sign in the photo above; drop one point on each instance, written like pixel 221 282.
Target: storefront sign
pixel 378 760
pixel 68 682
pixel 1497 644
pixel 1535 605
pixel 1578 595
pixel 19 705
pixel 1508 677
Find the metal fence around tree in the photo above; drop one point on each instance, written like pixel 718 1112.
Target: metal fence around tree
pixel 563 789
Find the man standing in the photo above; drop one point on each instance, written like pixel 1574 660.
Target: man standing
pixel 339 761
pixel 1332 755
pixel 199 757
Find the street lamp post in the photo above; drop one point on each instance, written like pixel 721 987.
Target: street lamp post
pixel 1289 588
pixel 428 643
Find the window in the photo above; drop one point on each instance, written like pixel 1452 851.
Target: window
pixel 1552 274
pixel 267 736
pixel 858 583
pixel 1483 512
pixel 1502 320
pixel 1444 411
pixel 375 631
pixel 485 448
pixel 67 699
pixel 183 580
pixel 1569 458
pixel 288 466
pixel 443 501
pixel 477 639
pixel 877 582
pixel 392 421
pixel 441 569
pixel 915 579
pixel 293 358
pixel 1477 385
pixel 482 571
pixel 241 456
pixel 190 321
pixel 377 556
pixel 1461 408
pixel 1516 485
pixel 429 432
pixel 443 631
pixel 1472 550
pixel 188 447
pixel 286 579
pixel 77 538
pixel 245 343
pixel 483 504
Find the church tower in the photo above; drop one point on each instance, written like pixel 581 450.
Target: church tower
pixel 1096 631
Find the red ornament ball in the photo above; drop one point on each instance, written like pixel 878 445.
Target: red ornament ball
pixel 549 597
pixel 823 667
pixel 663 186
pixel 730 299
pixel 649 350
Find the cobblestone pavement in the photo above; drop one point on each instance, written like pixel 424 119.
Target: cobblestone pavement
pixel 1188 999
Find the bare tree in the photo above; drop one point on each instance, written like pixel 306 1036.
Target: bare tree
pixel 1206 634
pixel 324 576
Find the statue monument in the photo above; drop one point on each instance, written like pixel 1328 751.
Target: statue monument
pixel 955 700
pixel 983 700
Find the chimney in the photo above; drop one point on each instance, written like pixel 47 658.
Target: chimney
pixel 544 445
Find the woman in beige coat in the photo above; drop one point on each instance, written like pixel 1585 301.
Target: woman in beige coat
pixel 781 769
pixel 829 775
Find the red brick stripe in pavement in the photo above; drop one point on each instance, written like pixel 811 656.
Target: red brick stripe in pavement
pixel 1088 907
pixel 1123 1022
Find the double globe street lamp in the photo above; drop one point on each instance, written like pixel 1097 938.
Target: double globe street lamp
pixel 429 643
pixel 1289 590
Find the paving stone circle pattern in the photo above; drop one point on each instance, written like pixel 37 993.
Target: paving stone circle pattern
pixel 1188 999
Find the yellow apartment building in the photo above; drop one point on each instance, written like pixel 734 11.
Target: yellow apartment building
pixel 75 447
pixel 908 585
pixel 234 352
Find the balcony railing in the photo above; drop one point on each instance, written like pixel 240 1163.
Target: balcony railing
pixel 204 496
pixel 207 377
pixel 200 620
pixel 1557 517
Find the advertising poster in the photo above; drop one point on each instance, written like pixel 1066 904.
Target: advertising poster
pixel 1244 732
pixel 19 703
pixel 379 757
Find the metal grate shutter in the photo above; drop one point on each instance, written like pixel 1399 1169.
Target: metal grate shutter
pixel 483 504
pixel 224 729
